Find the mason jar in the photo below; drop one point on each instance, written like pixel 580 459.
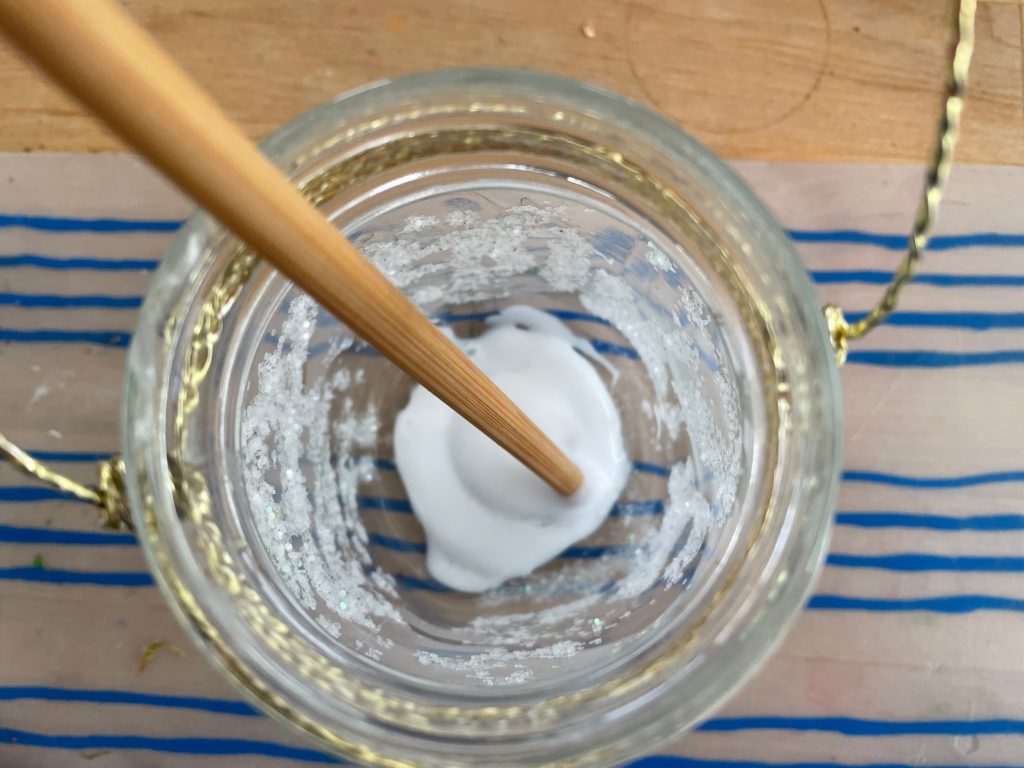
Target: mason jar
pixel 257 431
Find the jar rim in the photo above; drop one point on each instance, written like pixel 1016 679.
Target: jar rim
pixel 147 391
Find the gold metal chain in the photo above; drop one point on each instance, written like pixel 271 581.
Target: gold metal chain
pixel 840 330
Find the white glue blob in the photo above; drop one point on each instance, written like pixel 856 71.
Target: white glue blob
pixel 487 518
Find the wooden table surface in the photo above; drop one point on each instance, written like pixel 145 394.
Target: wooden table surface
pixel 821 80
pixel 910 651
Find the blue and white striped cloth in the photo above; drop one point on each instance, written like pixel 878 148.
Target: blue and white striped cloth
pixel 908 653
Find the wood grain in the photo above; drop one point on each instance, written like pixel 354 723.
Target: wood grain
pixel 815 80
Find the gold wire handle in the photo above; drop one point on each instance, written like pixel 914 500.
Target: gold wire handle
pixel 962 47
pixel 109 496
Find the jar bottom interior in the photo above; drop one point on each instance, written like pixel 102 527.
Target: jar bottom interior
pixel 322 511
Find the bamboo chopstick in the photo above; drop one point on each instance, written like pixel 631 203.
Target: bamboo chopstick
pixel 96 52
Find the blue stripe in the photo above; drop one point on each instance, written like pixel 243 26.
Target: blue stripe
pixel 855 726
pixel 464 317
pixel 951 604
pixel 95 578
pixel 847 726
pixel 106 696
pixel 235 747
pixel 583 317
pixel 931 522
pixel 650 469
pixel 899 242
pixel 909 562
pixel 823 277
pixel 883 358
pixel 974 321
pixel 103 338
pixel 384 503
pixel 31 493
pixel 914 562
pixel 622 509
pixel 895 242
pixel 397 545
pixel 172 745
pixel 908 481
pixel 561 314
pixel 634 508
pixel 67 224
pixel 878 277
pixel 420 548
pixel 77 262
pixel 589 553
pixel 52 301
pixel 10 534
pixel 388 465
pixel 607 348
pixel 69 456
pixel 424 585
pixel 923 358
pixel 846 236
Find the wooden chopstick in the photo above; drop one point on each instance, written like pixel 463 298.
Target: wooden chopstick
pixel 96 52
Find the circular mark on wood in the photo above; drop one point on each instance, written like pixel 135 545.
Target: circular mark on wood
pixel 728 66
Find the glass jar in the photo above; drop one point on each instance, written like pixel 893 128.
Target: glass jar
pixel 257 431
